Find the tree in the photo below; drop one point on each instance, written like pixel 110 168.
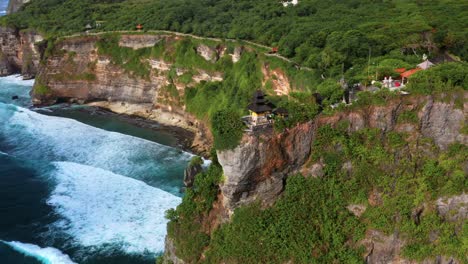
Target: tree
pixel 227 128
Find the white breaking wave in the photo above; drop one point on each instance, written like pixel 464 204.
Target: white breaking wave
pixel 16 79
pixel 40 137
pixel 46 255
pixel 103 208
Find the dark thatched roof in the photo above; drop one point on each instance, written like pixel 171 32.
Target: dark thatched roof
pixel 259 104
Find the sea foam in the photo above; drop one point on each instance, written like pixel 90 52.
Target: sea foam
pixel 39 137
pixel 46 255
pixel 107 211
pixel 16 79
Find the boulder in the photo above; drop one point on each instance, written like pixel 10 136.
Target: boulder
pixel 194 168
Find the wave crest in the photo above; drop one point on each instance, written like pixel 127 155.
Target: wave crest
pixel 46 255
pixel 108 211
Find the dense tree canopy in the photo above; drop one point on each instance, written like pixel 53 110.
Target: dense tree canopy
pixel 347 29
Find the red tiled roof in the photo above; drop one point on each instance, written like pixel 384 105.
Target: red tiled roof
pixel 408 73
pixel 400 70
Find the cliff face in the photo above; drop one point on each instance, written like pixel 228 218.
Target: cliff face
pixel 77 71
pixel 15 5
pixel 256 170
pixel 19 52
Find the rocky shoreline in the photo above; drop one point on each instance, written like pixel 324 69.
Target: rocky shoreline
pixel 183 137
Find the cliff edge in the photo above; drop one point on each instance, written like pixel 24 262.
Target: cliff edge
pixel 20 52
pixel 15 5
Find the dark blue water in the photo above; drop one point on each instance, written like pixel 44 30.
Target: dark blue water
pixel 74 192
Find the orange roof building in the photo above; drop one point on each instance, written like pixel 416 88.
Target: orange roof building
pixel 400 70
pixel 408 73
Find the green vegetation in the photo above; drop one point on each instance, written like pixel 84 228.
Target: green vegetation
pixel 196 161
pixel 185 226
pixel 359 40
pixel 301 107
pixel 325 35
pixel 441 78
pixel 309 223
pixel 408 117
pixel 41 89
pixel 129 59
pixel 227 129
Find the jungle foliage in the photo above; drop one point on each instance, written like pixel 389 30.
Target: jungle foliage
pixel 326 35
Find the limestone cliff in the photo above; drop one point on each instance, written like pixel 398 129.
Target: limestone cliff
pixel 15 5
pixel 19 52
pixel 76 72
pixel 153 87
pixel 256 169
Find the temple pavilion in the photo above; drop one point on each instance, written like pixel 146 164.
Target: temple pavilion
pixel 261 112
pixel 260 109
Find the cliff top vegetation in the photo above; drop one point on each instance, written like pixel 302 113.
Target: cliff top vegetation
pixel 318 34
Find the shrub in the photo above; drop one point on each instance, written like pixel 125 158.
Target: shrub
pixel 408 117
pixel 41 89
pixel 441 78
pixel 227 128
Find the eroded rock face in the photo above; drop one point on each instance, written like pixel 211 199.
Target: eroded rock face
pixel 236 55
pixel 208 53
pixel 140 41
pixel 19 52
pixel 278 80
pixel 15 5
pixel 382 249
pixel 78 73
pixel 453 208
pixel 356 209
pixel 442 122
pixel 256 170
pixel 386 249
pixel 169 253
pixel 190 172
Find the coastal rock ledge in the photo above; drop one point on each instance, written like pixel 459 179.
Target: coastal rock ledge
pixel 256 170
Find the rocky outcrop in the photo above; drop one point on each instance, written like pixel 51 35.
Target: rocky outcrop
pixel 19 52
pixel 208 53
pixel 258 167
pixel 381 248
pixel 276 79
pixel 453 209
pixel 169 253
pixel 442 123
pixel 15 5
pixel 190 172
pixel 386 249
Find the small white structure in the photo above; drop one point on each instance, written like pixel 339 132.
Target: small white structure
pixel 288 3
pixel 425 65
